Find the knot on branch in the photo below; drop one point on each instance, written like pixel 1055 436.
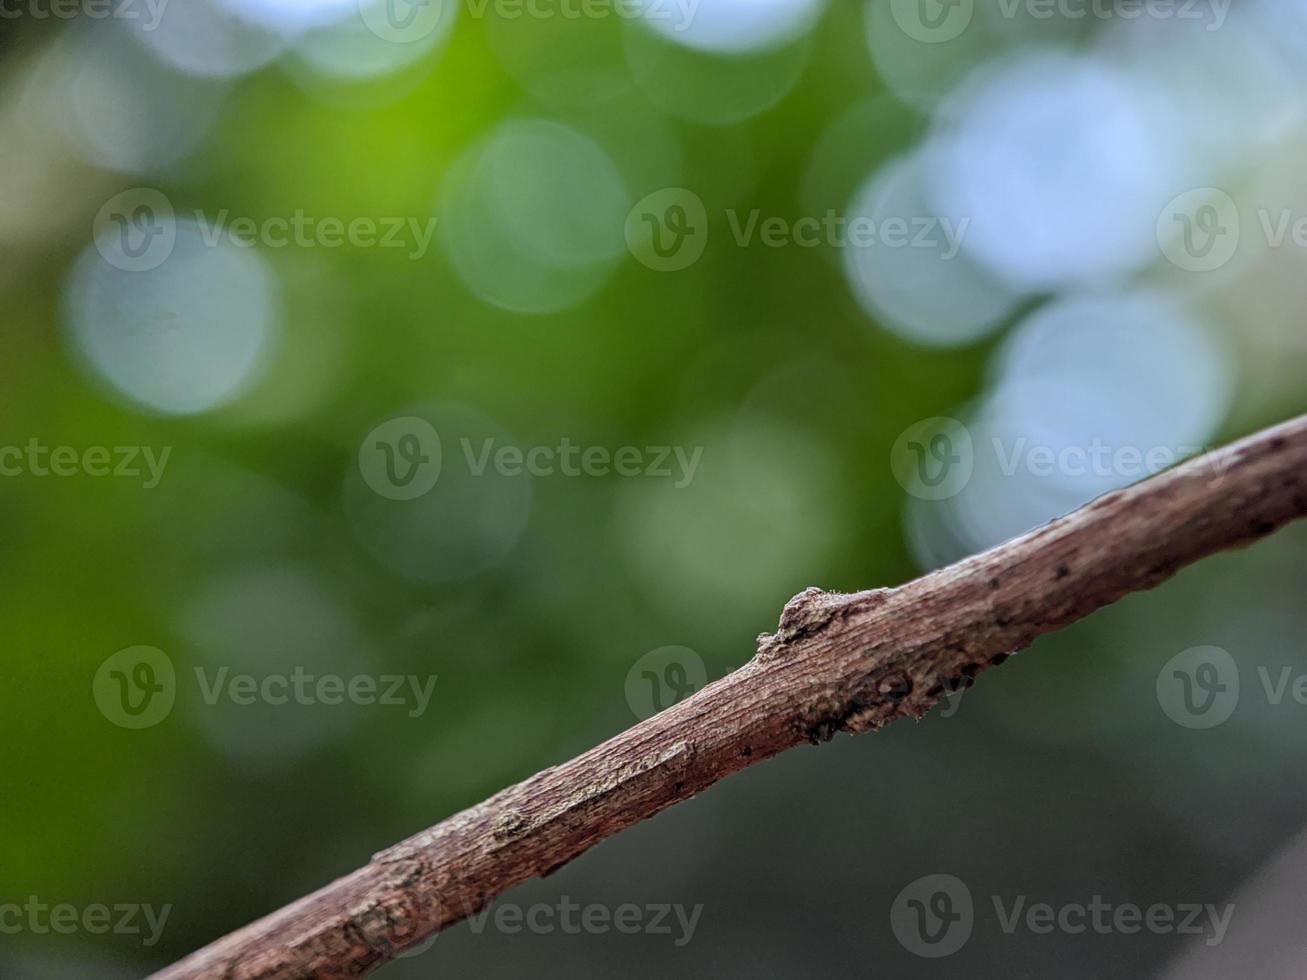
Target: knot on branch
pixel 811 611
pixel 806 613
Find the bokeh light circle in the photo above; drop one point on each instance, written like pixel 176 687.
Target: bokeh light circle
pixel 710 89
pixel 1089 394
pixel 926 288
pixel 533 216
pixel 120 110
pixel 731 27
pixel 1059 168
pixel 183 337
pixel 354 47
pixel 207 37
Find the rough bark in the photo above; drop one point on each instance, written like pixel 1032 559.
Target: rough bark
pixel 837 663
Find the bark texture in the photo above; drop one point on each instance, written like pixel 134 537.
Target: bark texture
pixel 837 663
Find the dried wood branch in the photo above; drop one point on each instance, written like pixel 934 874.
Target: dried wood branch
pixel 838 663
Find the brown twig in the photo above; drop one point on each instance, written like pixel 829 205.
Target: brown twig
pixel 838 663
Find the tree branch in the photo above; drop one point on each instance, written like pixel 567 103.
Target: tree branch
pixel 838 663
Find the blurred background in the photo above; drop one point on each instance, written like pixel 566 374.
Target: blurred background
pixel 533 353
